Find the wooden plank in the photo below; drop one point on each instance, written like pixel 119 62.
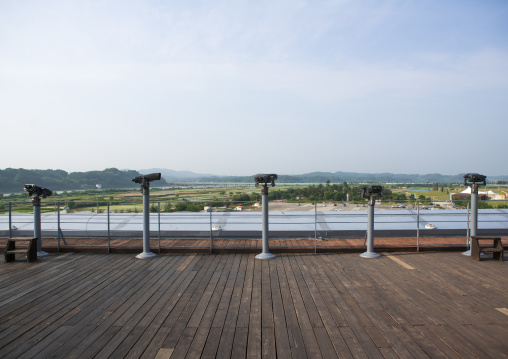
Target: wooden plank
pixel 285 292
pixel 239 349
pixel 164 353
pixel 351 310
pixel 305 334
pixel 93 343
pixel 212 343
pixel 314 269
pixel 95 311
pixel 186 263
pixel 255 320
pixel 341 348
pixel 245 302
pixel 182 317
pixel 74 340
pixel 205 323
pixel 227 293
pixel 154 334
pixel 266 296
pixel 184 342
pixel 37 326
pixel 228 333
pixel 61 337
pixel 268 348
pixel 298 348
pixel 58 293
pixel 325 345
pixel 281 333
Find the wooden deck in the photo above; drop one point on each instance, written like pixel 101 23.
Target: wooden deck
pixel 402 305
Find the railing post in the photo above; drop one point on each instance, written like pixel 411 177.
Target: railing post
pixel 468 229
pixel 468 233
pixel 315 230
pixel 211 229
pixel 58 224
pixel 315 223
pixel 10 220
pixel 109 233
pixel 159 220
pixel 417 226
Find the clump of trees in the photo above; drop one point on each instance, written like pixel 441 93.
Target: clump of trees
pixel 320 192
pixel 13 179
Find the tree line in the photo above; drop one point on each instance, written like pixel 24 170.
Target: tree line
pixel 13 179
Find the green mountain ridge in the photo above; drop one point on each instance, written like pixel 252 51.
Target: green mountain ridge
pixel 13 180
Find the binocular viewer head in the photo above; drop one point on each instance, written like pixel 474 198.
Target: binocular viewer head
pixel 474 178
pixel 265 179
pixel 147 178
pixel 34 190
pixel 368 191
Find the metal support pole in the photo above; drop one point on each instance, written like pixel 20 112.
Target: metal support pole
pixel 10 220
pixel 474 218
pixel 468 226
pixel 37 225
pixel 474 211
pixel 146 223
pixel 418 226
pixel 370 231
pixel 266 250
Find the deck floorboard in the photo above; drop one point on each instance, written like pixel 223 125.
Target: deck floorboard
pixel 232 305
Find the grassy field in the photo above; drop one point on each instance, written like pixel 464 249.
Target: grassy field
pixel 131 200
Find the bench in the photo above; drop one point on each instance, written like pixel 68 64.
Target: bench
pixel 496 248
pixel 30 251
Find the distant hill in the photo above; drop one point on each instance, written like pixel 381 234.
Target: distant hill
pixel 13 179
pixel 355 177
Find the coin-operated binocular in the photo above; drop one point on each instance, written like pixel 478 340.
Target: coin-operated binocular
pixel 264 180
pixel 36 193
pixel 371 193
pixel 146 179
pixel 145 189
pixel 474 180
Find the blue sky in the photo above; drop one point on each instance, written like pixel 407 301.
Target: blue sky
pixel 243 87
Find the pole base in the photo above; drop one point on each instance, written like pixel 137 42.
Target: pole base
pixel 42 254
pixel 370 255
pixel 468 253
pixel 265 256
pixel 146 255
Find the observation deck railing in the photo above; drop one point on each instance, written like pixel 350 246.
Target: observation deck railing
pixel 313 223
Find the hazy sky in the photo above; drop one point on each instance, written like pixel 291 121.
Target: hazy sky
pixel 242 87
